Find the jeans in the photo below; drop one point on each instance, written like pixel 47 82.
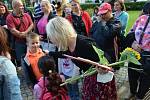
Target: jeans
pixel 20 49
pixel 73 90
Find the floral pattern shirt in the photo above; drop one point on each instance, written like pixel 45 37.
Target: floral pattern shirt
pixel 138 29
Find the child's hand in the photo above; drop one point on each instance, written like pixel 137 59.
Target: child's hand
pixel 101 70
pixel 62 77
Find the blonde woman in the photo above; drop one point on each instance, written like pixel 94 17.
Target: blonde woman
pixel 67 11
pixel 61 33
pixel 41 24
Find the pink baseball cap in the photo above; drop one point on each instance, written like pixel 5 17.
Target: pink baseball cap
pixel 104 8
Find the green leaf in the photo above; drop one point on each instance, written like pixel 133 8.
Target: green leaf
pixel 123 57
pixel 101 56
pixel 134 60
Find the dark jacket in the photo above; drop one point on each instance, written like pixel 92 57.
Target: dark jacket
pixel 104 35
pixel 28 73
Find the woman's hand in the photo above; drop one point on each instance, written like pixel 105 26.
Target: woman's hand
pixel 136 46
pixel 41 37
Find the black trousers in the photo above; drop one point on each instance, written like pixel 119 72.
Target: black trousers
pixel 139 82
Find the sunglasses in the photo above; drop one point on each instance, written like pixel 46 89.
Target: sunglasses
pixel 74 4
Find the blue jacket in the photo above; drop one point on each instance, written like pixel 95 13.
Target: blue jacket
pixel 123 18
pixel 9 82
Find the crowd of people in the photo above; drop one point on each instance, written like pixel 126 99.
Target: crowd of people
pixel 37 43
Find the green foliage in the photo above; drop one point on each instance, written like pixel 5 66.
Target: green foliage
pixel 101 56
pixel 89 5
pixel 134 5
pixel 131 55
pixel 129 5
pixel 133 15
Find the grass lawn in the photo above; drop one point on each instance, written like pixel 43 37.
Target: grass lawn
pixel 133 15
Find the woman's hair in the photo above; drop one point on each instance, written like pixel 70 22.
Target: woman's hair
pixel 66 5
pixel 146 8
pixel 123 8
pixel 47 3
pixel 6 9
pixel 60 30
pixel 31 36
pixel 76 1
pixel 46 64
pixel 96 8
pixel 3 42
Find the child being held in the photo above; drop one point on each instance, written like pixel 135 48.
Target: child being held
pixel 48 87
pixel 29 62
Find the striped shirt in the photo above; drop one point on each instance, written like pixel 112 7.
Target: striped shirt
pixel 38 12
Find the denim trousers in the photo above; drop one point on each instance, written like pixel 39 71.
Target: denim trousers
pixel 20 49
pixel 73 90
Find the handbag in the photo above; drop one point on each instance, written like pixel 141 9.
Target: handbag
pixel 129 39
pixel 145 55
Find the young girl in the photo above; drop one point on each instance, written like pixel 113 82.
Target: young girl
pixel 48 87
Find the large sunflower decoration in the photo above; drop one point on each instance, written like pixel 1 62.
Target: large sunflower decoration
pixel 130 55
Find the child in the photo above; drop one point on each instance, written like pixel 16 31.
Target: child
pixel 48 87
pixel 29 62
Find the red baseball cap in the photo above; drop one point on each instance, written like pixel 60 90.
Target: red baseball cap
pixel 104 8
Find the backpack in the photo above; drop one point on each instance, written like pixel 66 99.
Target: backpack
pixel 46 95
